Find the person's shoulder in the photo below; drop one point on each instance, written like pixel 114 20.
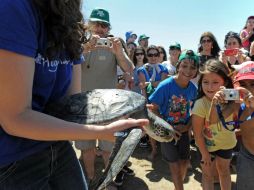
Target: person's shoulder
pixel 15 6
pixel 243 32
pixel 201 104
pixel 192 86
pixel 142 68
pixel 201 100
pixel 167 82
pixel 19 27
pixel 165 62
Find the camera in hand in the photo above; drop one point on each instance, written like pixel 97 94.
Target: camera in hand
pixel 104 42
pixel 231 52
pixel 231 94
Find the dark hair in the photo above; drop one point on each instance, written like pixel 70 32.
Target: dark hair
pixel 139 48
pixel 216 49
pixel 135 45
pixel 64 24
pixel 152 47
pixel 232 35
pixel 164 52
pixel 251 39
pixel 250 17
pixel 214 66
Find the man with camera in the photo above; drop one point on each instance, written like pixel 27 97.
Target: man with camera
pixel 99 71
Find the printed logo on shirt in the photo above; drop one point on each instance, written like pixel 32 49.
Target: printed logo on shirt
pixel 178 110
pixel 209 135
pixel 51 65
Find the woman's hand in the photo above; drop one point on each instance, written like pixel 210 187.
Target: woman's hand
pixel 223 57
pixel 120 125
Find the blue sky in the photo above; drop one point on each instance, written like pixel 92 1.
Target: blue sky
pixel 167 21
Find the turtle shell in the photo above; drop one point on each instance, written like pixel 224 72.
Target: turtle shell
pixel 98 106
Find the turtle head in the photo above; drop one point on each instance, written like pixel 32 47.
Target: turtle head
pixel 159 129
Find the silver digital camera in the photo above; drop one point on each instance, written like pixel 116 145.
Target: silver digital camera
pixel 231 94
pixel 104 42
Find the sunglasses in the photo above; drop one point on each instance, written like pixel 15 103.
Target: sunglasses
pixel 102 24
pixel 153 55
pixel 206 41
pixel 137 54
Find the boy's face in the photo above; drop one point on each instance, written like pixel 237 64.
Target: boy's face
pixel 187 69
pixel 248 84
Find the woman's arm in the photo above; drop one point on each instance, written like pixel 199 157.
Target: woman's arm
pixel 17 117
pixel 75 86
pixel 142 83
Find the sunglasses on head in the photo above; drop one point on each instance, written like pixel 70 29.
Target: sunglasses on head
pixel 153 55
pixel 137 54
pixel 206 41
pixel 102 24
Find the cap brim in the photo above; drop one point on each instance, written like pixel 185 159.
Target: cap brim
pixel 245 77
pixel 144 38
pixel 98 20
pixel 174 47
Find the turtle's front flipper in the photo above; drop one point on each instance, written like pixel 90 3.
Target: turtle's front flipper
pixel 123 149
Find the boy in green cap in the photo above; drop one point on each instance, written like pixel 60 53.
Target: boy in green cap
pixel 172 100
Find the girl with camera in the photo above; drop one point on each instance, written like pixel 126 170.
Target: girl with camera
pixel 244 109
pixel 214 142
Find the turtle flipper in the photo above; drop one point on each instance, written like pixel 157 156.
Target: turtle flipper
pixel 123 149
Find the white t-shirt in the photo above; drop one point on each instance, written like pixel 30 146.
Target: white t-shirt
pixel 171 68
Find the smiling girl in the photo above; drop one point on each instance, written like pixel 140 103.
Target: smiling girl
pixel 215 143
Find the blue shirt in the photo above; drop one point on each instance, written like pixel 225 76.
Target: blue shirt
pixel 22 31
pixel 148 72
pixel 174 102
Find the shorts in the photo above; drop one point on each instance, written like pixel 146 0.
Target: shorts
pixel 89 144
pixel 225 154
pixel 172 152
pixel 245 170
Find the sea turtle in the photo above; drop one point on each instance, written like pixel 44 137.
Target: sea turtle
pixel 103 106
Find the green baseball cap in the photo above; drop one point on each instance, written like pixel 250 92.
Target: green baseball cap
pixel 99 15
pixel 189 54
pixel 142 37
pixel 175 45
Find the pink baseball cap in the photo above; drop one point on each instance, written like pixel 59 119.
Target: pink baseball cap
pixel 246 72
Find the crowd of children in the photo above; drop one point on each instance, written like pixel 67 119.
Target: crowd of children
pixel 187 90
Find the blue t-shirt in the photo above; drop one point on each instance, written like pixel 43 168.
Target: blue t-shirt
pixel 174 102
pixel 22 31
pixel 148 72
